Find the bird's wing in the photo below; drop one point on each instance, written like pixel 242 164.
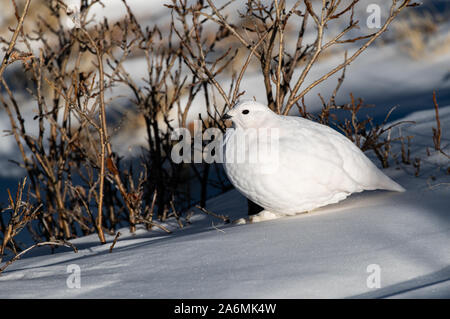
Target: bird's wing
pixel 331 158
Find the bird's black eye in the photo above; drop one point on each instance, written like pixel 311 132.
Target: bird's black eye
pixel 245 111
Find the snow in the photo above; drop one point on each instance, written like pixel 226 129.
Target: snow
pixel 323 254
pixel 114 10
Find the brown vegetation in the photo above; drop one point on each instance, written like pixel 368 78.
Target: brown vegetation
pixel 78 184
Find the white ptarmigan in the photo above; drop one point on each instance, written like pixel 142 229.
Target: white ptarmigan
pixel 313 167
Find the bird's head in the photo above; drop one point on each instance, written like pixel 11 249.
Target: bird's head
pixel 250 114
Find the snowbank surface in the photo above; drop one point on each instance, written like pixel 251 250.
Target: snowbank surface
pixel 321 254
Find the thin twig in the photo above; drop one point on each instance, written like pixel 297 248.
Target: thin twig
pixel 56 243
pixel 12 43
pixel 208 212
pixel 114 241
pixel 295 98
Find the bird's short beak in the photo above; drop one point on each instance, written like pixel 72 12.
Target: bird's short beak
pixel 226 117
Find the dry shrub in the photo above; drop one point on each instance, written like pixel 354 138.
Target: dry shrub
pixel 77 179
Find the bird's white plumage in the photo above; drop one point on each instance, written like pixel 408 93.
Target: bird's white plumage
pixel 316 165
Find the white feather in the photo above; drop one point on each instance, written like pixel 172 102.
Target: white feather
pixel 316 165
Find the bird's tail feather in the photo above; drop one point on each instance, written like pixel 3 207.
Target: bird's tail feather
pixel 390 185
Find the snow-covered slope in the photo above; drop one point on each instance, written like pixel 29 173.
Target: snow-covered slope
pixel 322 254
